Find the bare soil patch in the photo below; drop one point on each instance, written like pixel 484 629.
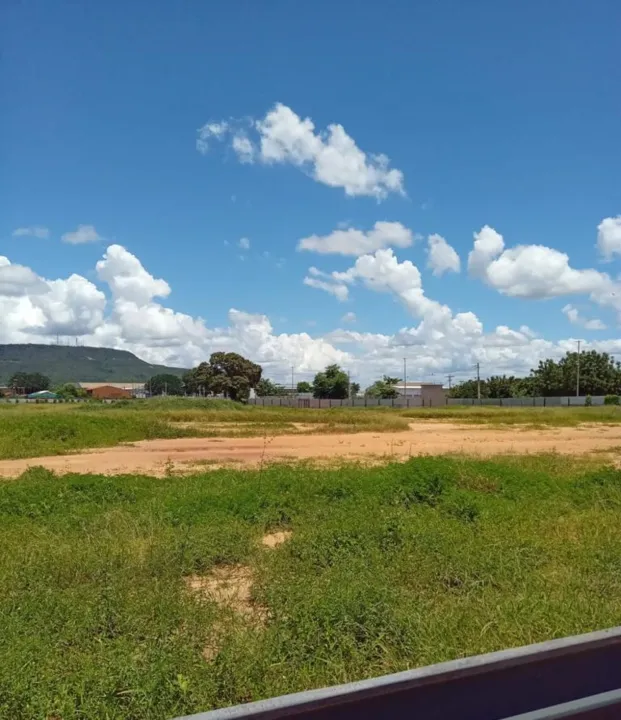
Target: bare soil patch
pixel 272 540
pixel 158 457
pixel 227 585
pixel 230 586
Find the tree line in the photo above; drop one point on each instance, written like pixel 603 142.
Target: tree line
pixel 333 383
pixel 592 373
pixel 230 375
pixel 234 376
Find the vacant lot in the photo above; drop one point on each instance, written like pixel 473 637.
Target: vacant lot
pixel 137 597
pixel 38 430
pixel 182 455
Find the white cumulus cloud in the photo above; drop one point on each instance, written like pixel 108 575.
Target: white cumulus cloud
pixel 340 291
pixel 331 157
pixel 575 318
pixel 244 243
pixel 243 147
pixel 358 242
pixel 609 237
pixel 529 271
pixel 19 280
pixel 127 278
pixel 441 257
pixel 84 234
pixel 349 317
pixel 36 231
pixel 36 309
pixel 209 131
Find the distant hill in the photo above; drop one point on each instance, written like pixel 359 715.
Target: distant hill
pixel 65 363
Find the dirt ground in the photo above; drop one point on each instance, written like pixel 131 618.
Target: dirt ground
pixel 157 457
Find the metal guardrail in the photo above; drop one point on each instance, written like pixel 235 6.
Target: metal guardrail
pixel 574 677
pixel 604 706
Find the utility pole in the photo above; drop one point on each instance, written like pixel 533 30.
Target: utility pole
pixel 450 380
pixel 348 386
pixel 478 381
pixel 405 375
pixel 292 385
pixel 578 372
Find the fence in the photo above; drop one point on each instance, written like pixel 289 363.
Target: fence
pixel 422 401
pixel 566 401
pixel 400 402
pixel 574 677
pixel 50 401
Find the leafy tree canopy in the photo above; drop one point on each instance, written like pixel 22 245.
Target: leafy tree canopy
pixel 165 384
pixel 599 375
pixel 383 389
pixel 29 382
pixel 304 387
pixel 69 390
pixel 227 374
pixel 332 383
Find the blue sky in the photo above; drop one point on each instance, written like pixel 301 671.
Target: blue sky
pixel 495 114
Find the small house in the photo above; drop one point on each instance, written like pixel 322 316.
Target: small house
pixel 110 392
pixel 113 390
pixel 425 393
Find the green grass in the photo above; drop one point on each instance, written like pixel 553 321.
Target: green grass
pixel 34 434
pixel 36 430
pixel 388 568
pixel 552 416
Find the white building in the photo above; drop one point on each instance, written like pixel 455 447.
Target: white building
pixel 430 393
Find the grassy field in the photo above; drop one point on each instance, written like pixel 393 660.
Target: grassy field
pixel 386 568
pixel 36 430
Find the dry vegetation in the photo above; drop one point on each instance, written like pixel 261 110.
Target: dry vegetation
pixel 36 430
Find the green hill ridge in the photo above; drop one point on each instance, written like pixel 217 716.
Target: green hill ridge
pixel 66 363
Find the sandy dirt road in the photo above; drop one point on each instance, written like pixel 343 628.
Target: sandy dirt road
pixel 155 457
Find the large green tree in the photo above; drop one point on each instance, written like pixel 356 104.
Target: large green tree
pixel 599 375
pixel 228 374
pixel 332 383
pixel 304 387
pixel 29 382
pixel 383 389
pixel 165 384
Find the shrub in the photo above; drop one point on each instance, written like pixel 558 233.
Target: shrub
pixel 611 400
pixel 588 401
